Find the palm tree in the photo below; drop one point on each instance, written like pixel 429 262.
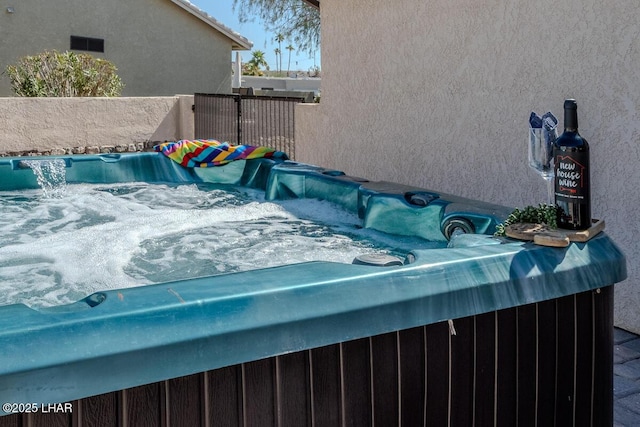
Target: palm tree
pixel 290 49
pixel 280 39
pixel 258 57
pixel 252 67
pixel 278 52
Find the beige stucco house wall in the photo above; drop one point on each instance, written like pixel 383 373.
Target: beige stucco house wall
pixel 160 47
pixel 438 93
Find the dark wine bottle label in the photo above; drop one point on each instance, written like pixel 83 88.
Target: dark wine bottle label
pixel 572 176
pixel 572 188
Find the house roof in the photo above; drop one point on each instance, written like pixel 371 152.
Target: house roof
pixel 238 42
pixel 314 3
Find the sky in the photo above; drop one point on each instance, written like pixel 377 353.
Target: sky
pixel 222 10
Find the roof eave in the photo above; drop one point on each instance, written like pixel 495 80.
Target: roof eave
pixel 238 42
pixel 314 3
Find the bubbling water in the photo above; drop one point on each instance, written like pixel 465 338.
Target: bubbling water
pixel 51 175
pixel 56 250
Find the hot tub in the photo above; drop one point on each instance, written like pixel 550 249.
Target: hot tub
pixel 476 331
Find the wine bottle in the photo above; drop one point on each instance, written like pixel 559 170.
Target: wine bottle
pixel 571 167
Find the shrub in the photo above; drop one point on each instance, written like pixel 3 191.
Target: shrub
pixel 52 73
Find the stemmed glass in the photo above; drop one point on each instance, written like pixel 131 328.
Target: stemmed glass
pixel 541 156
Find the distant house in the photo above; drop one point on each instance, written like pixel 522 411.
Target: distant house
pixel 160 47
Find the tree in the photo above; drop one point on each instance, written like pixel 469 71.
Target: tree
pixel 278 54
pixel 252 67
pixel 295 20
pixel 279 39
pixel 52 73
pixel 290 48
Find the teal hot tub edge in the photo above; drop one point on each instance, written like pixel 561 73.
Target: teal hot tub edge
pixel 114 340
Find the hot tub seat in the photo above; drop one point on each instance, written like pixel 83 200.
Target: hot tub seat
pixel 385 206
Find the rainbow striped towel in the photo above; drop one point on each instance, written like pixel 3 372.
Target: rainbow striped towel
pixel 209 152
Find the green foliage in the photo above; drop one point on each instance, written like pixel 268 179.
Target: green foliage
pixel 253 66
pixel 543 214
pixel 290 19
pixel 56 74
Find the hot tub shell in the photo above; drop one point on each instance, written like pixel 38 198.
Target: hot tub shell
pixel 328 343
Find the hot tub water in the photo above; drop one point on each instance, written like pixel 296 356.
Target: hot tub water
pixel 65 241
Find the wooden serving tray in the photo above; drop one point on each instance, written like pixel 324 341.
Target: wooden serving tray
pixel 542 234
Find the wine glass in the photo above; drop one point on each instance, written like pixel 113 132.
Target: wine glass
pixel 541 156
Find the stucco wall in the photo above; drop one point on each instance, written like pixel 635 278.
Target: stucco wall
pixel 438 94
pixel 46 124
pixel 158 48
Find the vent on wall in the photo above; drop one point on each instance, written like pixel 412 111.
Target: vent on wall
pixel 87 43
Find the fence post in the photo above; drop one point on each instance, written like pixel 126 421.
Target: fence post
pixel 238 100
